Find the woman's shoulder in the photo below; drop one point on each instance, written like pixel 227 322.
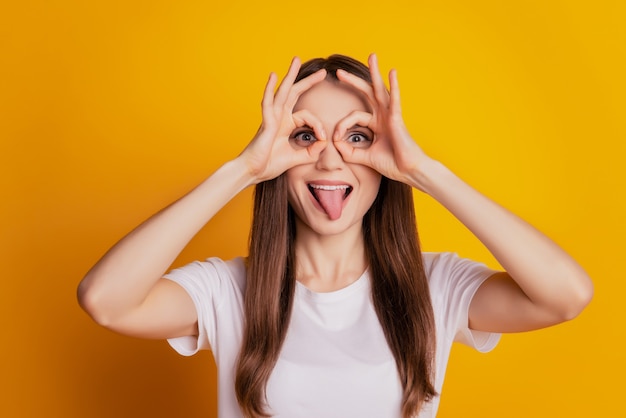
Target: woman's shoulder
pixel 447 271
pixel 449 265
pixel 234 268
pixel 212 270
pixel 237 269
pixel 434 260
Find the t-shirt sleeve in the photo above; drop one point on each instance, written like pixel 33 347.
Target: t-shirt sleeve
pixel 453 282
pixel 208 284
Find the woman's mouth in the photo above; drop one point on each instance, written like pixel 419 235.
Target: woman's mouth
pixel 330 197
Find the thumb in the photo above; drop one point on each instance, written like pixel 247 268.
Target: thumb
pixel 309 154
pixel 351 154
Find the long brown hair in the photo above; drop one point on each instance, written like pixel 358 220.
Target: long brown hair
pixel 399 284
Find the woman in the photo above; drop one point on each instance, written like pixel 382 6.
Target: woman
pixel 335 312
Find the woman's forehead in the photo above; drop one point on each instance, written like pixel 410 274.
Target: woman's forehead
pixel 330 101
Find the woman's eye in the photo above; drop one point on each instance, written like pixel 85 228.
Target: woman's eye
pixel 304 139
pixel 359 140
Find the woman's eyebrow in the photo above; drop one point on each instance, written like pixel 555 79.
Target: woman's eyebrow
pixel 357 126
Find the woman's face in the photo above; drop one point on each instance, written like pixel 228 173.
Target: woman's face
pixel 330 196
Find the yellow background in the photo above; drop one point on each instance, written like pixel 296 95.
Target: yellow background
pixel 109 110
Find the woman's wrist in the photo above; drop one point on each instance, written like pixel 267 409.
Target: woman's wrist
pixel 243 172
pixel 236 173
pixel 429 175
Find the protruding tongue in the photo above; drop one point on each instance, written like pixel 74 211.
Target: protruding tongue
pixel 331 201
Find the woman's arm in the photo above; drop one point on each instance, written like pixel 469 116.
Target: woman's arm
pixel 542 284
pixel 124 291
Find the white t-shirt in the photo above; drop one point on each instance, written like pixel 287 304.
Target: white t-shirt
pixel 335 361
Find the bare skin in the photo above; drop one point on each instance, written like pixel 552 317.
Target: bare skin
pixel 542 285
pixel 125 291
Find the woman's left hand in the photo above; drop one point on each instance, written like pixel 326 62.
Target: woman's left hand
pixel 393 152
pixel 542 284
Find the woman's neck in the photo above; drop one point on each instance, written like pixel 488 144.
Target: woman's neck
pixel 325 263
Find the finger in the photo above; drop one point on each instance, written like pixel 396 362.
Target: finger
pixel 357 118
pixel 268 98
pixel 308 154
pixel 353 155
pixel 359 84
pixel 380 91
pixel 303 85
pixel 285 85
pixel 394 103
pixel 306 118
pixel 314 150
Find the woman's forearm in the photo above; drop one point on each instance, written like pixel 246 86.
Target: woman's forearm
pixel 546 273
pixel 122 279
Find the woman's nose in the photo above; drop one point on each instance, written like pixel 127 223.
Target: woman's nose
pixel 329 158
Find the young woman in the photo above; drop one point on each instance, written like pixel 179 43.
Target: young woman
pixel 335 312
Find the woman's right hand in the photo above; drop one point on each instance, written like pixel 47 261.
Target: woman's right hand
pixel 270 153
pixel 124 291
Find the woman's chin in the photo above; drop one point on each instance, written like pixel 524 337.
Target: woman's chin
pixel 322 224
